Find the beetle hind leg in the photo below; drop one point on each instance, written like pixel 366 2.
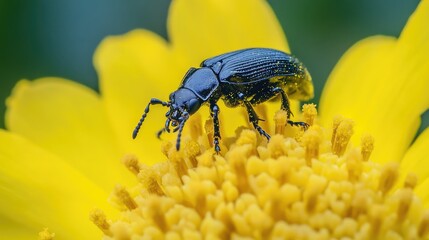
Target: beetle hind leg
pixel 286 107
pixel 254 119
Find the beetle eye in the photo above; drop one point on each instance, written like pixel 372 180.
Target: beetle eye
pixel 192 106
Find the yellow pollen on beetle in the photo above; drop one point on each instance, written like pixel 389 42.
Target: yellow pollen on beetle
pixel 311 186
pixel 46 235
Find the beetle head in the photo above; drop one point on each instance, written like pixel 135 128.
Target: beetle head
pixel 183 103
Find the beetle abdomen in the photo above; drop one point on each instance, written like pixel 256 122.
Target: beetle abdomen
pixel 256 65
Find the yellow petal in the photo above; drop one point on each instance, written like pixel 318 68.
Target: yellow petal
pixel 382 84
pixel 38 190
pixel 202 29
pixel 10 230
pixel 416 159
pixel 68 119
pixel 133 68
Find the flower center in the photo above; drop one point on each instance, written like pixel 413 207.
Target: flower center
pixel 314 185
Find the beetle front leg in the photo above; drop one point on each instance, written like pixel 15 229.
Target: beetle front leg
pixel 253 118
pixel 214 112
pixel 183 120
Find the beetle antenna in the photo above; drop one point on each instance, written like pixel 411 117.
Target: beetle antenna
pixel 181 125
pixel 153 101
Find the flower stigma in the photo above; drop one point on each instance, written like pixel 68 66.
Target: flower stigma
pixel 313 185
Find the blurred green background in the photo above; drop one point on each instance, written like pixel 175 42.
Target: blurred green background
pixel 58 37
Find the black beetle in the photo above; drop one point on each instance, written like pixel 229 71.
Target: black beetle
pixel 244 77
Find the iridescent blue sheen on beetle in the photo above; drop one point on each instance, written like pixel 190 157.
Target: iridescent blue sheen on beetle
pixel 244 77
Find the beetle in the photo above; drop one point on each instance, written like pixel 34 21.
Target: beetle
pixel 244 77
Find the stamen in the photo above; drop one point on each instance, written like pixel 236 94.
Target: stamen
pixel 124 197
pixel 247 136
pixel 315 187
pixel 377 214
pixel 209 127
pixel 195 127
pixel 177 162
pixel 367 145
pixel 213 227
pixel 46 235
pixel 131 163
pixel 196 193
pixel 343 133
pixel 150 180
pixel 309 112
pixel 388 177
pixel 354 165
pixel 206 159
pixel 98 217
pixel 424 225
pixel 156 212
pixel 280 119
pixel 192 150
pixel 237 161
pixel 360 203
pixel 166 147
pixel 311 141
pixel 411 181
pixel 337 120
pixel 405 198
pixel 276 147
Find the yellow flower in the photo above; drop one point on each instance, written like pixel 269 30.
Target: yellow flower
pixel 308 187
pixel 59 157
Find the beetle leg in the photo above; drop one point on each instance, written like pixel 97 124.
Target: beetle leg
pixel 167 125
pixel 253 118
pixel 214 112
pixel 304 125
pixel 285 100
pixel 286 107
pixel 184 118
